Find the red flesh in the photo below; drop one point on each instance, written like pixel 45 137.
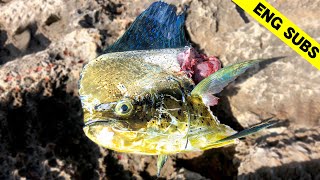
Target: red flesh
pixel 198 66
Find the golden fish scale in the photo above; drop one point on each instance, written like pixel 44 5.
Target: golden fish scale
pixel 177 122
pixel 105 75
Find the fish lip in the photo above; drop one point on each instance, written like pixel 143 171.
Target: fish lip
pixel 95 121
pixel 109 122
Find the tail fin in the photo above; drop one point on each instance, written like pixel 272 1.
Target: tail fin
pixel 249 131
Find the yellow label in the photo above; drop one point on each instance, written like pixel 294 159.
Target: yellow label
pixel 283 28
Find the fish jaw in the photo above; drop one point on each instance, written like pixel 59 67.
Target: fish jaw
pixel 103 136
pixel 138 142
pixel 112 135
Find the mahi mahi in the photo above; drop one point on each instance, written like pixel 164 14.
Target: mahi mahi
pixel 137 99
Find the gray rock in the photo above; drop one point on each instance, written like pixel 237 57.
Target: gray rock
pixel 280 153
pixel 285 89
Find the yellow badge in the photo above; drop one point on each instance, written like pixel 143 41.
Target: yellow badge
pixel 283 28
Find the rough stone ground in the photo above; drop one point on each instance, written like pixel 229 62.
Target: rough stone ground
pixel 44 44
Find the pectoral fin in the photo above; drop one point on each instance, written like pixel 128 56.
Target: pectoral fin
pixel 247 132
pixel 218 80
pixel 160 163
pixel 209 99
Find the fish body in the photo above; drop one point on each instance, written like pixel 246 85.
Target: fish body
pixel 140 96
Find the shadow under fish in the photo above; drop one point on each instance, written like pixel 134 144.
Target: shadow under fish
pixel 150 92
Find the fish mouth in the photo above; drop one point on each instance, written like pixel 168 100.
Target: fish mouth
pixel 97 122
pixel 114 124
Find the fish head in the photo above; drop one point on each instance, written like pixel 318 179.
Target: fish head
pixel 120 90
pixel 122 95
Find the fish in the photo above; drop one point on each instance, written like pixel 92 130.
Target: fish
pixel 140 97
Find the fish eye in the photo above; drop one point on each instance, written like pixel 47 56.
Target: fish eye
pixel 123 108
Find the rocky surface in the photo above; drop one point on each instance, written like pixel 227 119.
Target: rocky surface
pixel 44 44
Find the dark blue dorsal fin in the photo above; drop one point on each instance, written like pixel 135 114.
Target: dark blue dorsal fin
pixel 158 27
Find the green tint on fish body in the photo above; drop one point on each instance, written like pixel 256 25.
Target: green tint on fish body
pixel 163 117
